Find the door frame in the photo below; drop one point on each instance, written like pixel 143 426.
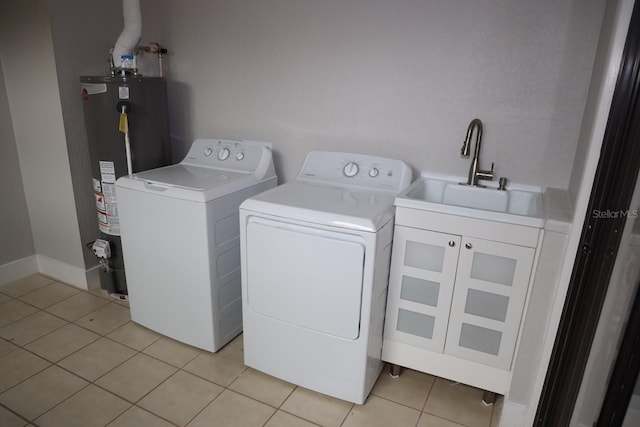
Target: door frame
pixel 612 190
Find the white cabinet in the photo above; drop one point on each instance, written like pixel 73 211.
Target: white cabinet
pixel 490 291
pixel 460 295
pixel 423 269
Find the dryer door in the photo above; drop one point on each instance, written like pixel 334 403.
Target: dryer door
pixel 305 276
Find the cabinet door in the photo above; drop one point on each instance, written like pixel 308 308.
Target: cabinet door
pixel 423 269
pixel 491 287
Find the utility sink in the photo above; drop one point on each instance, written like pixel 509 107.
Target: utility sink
pixel 516 205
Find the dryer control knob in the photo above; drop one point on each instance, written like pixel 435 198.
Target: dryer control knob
pixel 208 151
pixel 373 172
pixel 350 169
pixel 223 154
pixel 240 156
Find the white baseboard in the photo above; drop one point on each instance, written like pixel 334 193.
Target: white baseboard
pixel 513 414
pixel 69 274
pixel 18 269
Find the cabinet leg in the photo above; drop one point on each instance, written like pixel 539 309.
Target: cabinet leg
pixel 394 370
pixel 488 398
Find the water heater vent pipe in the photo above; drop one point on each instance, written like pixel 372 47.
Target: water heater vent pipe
pixel 131 32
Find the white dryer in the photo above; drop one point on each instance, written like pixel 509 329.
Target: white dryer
pixel 180 239
pixel 315 263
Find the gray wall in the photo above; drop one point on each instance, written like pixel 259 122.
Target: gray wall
pixel 594 124
pixel 400 79
pixel 26 53
pixel 81 42
pixel 16 240
pixel 47 46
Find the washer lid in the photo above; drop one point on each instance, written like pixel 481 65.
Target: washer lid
pixel 189 177
pixel 325 205
pixel 199 184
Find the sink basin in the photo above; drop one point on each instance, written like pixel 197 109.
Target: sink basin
pixel 474 197
pixel 517 205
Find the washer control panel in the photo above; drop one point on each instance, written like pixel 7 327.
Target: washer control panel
pixel 356 170
pixel 241 156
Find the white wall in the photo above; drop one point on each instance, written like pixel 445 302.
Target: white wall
pixel 541 298
pixel 400 79
pixel 29 68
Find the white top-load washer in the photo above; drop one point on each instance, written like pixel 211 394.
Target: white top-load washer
pixel 315 263
pixel 180 239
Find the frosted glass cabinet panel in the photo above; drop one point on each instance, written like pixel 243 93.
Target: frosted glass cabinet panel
pixel 480 339
pixel 424 256
pixel 419 290
pixel 486 304
pixel 488 300
pixel 493 268
pixel 413 323
pixel 423 270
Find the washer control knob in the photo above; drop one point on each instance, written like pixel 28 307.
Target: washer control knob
pixel 224 153
pixel 208 151
pixel 350 169
pixel 373 172
pixel 240 156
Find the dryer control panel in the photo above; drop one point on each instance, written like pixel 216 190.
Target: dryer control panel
pixel 356 170
pixel 238 156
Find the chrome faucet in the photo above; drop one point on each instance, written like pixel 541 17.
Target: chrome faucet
pixel 475 173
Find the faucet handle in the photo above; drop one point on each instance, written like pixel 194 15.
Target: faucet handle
pixel 487 175
pixel 502 183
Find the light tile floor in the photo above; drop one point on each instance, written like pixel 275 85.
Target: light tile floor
pixel 74 358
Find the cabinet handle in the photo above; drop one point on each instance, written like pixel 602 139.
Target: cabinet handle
pixel 452 243
pixel 468 245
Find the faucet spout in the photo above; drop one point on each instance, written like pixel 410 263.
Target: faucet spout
pixel 475 173
pixel 475 124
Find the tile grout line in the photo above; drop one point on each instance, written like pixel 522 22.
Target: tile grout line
pixel 93 382
pixel 89 382
pixel 141 351
pixel 14 412
pixel 52 363
pixel 181 368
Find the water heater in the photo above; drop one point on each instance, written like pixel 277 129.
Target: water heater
pixel 128 131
